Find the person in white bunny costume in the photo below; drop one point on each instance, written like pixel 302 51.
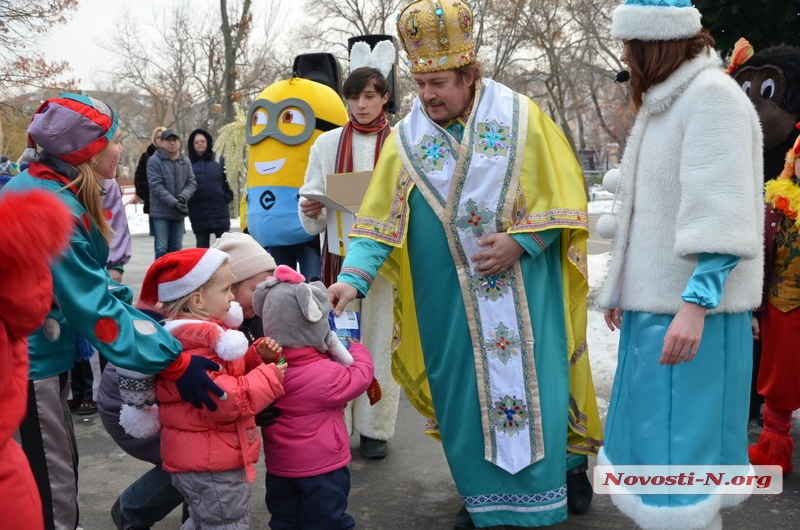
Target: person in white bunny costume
pixel 355 147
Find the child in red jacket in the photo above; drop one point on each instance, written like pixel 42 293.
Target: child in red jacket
pixel 307 449
pixel 211 454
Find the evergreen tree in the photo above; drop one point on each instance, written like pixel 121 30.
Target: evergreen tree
pixel 763 22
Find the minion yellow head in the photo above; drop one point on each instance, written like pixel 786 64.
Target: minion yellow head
pixel 282 125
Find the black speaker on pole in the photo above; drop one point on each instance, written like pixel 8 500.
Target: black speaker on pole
pixel 320 67
pixel 372 40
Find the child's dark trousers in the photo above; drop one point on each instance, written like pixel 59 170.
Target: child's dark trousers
pixel 310 503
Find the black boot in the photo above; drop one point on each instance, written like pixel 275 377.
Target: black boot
pixel 579 490
pixel 119 520
pixel 463 520
pixel 374 449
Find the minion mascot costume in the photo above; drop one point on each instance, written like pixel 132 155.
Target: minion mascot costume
pixel 281 126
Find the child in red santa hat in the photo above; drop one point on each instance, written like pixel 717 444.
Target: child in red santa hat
pixel 151 497
pixel 211 454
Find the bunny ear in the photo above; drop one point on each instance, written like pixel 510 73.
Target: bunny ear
pixel 383 55
pixel 360 55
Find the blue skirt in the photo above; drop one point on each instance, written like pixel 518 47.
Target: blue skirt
pixel 693 413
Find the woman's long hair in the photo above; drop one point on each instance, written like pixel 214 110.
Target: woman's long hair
pixel 87 186
pixel 652 62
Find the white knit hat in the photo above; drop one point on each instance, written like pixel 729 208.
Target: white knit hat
pixel 651 20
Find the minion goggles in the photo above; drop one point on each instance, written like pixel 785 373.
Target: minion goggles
pixel 274 111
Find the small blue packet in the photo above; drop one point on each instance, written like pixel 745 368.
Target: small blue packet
pixel 347 325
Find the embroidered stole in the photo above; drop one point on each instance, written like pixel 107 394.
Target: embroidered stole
pixel 471 187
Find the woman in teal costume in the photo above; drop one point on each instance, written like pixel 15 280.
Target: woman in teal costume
pixel 81 147
pixel 685 272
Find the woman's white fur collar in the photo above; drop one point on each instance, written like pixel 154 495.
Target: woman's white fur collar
pixel 659 97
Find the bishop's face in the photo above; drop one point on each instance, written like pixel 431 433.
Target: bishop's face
pixel 443 95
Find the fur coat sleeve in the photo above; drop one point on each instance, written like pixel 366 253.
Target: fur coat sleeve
pixel 719 195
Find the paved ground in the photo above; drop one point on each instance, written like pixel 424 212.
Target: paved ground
pixel 410 489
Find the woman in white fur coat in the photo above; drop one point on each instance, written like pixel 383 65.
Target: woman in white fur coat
pixel 685 272
pixel 355 147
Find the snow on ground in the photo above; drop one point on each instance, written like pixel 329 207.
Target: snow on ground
pixel 602 341
pixel 138 222
pixel 137 219
pixel 601 206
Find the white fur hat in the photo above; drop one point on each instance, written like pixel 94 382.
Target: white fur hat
pixel 651 20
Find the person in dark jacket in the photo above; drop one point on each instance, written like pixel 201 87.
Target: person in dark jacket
pixel 172 184
pixel 140 175
pixel 208 207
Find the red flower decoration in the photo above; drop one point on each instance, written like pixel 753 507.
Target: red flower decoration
pixel 783 205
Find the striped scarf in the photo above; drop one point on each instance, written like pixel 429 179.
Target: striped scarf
pixel 332 263
pixel 344 155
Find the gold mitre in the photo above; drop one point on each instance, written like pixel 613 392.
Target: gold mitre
pixel 437 34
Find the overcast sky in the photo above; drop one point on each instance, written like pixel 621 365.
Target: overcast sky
pixel 81 40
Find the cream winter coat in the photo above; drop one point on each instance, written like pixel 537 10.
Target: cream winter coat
pixel 690 183
pixel 322 162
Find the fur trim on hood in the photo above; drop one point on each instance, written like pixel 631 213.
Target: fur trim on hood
pixel 208 154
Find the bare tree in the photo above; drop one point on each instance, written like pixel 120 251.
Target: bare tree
pixel 182 68
pixel 232 36
pixel 558 52
pixel 20 22
pixel 332 22
pixel 161 64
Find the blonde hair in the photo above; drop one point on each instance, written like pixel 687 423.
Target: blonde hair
pixel 184 307
pixel 87 186
pixel 157 130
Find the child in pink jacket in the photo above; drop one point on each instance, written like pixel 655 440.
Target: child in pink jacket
pixel 307 450
pixel 211 454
